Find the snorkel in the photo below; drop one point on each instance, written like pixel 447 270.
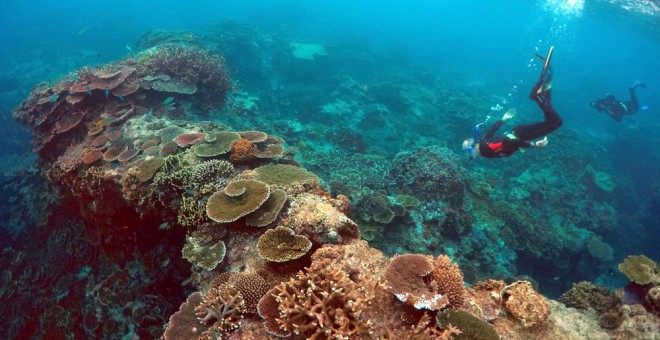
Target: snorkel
pixel 470 144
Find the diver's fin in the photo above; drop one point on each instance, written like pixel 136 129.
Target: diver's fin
pixel 546 61
pixel 545 78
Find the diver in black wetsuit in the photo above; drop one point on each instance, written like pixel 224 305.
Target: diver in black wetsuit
pixel 521 136
pixel 618 108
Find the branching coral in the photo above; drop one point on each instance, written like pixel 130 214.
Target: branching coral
pixel 324 305
pixel 222 308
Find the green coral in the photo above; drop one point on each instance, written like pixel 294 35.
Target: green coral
pixel 216 144
pixel 471 326
pixel 639 269
pixel 584 295
pixel 205 257
pixel 284 174
pixel 191 212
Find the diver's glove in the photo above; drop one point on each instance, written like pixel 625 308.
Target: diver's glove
pixel 541 143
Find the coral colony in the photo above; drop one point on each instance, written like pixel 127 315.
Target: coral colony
pixel 191 229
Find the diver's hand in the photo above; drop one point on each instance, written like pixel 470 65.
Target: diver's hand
pixel 508 115
pixel 541 143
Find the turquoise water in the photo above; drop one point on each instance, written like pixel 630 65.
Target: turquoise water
pixel 395 78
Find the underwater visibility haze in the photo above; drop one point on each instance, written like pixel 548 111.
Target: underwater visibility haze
pixel 328 170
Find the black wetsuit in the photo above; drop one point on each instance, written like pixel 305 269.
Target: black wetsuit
pixel 617 108
pixel 521 135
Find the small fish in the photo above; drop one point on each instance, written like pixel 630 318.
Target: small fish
pixel 107 92
pixel 54 98
pixel 89 90
pixel 120 97
pixel 74 77
pixel 129 48
pixel 168 100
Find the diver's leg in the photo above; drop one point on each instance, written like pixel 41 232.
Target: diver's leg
pixel 632 105
pixel 533 131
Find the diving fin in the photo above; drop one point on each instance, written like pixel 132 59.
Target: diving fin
pixel 546 74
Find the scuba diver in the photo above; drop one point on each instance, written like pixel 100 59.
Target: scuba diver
pixel 521 136
pixel 618 108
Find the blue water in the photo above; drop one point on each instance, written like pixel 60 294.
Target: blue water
pixel 484 48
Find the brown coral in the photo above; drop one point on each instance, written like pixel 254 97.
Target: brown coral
pixel 282 244
pixel 449 280
pixel 187 139
pixel 184 323
pixel 526 305
pixel 241 151
pixel 239 198
pixel 410 277
pixel 252 286
pixel 268 211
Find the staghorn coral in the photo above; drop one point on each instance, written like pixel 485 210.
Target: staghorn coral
pixel 192 212
pixel 203 256
pixel 282 244
pixel 322 305
pixel 640 269
pixel 525 305
pixel 239 198
pixel 426 283
pixel 222 308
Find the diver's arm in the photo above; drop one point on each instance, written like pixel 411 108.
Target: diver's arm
pixel 491 131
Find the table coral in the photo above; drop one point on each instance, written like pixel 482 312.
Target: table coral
pixel 239 198
pixel 284 175
pixel 267 212
pixel 206 257
pixel 282 244
pixel 640 269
